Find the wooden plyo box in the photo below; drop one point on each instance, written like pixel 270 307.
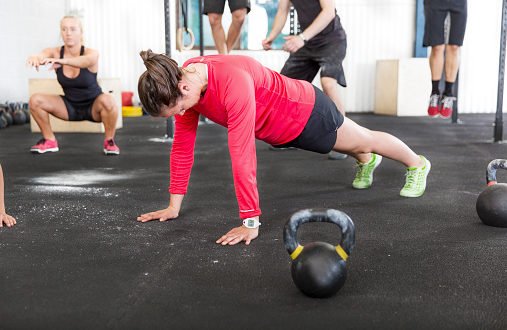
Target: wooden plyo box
pixel 402 87
pixel 51 86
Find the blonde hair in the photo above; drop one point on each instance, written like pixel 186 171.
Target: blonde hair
pixel 78 19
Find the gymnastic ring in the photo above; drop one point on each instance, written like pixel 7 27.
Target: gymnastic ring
pixel 179 39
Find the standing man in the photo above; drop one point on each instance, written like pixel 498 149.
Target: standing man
pixel 322 45
pixel 435 12
pixel 215 9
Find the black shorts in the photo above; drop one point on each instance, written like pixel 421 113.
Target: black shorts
pixel 305 63
pixel 79 111
pixel 319 134
pixel 217 6
pixel 435 20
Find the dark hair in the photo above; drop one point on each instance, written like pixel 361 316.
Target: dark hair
pixel 158 85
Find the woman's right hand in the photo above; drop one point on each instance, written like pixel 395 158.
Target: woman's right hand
pixel 34 61
pixel 7 219
pixel 161 215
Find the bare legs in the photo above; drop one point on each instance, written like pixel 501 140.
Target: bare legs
pixel 41 106
pixel 223 44
pixel 452 59
pixel 104 109
pixel 330 88
pixel 360 142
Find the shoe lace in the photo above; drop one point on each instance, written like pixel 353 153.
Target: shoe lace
pixel 363 171
pixel 110 142
pixel 447 101
pixel 434 100
pixel 41 141
pixel 412 178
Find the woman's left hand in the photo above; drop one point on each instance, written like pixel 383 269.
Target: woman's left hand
pixel 55 62
pixel 239 234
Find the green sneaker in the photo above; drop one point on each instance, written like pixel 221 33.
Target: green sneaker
pixel 415 182
pixel 364 174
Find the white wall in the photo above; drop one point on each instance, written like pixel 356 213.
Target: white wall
pixel 119 29
pixel 26 27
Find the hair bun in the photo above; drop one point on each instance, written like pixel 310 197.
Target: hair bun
pixel 146 55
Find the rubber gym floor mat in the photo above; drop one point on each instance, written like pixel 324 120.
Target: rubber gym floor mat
pixel 78 258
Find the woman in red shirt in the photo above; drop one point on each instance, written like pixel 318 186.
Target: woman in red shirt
pixel 254 102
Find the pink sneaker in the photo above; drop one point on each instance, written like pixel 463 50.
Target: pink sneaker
pixel 44 146
pixel 110 148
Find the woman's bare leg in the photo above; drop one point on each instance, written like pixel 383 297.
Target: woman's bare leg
pixel 41 105
pixel 359 142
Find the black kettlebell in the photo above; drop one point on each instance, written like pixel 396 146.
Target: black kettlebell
pixel 3 120
pixel 318 269
pixel 26 109
pixel 19 116
pixel 8 116
pixel 491 204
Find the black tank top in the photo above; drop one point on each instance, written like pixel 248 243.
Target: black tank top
pixel 308 10
pixel 82 89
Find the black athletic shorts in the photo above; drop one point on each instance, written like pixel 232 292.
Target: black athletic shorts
pixel 217 6
pixel 79 111
pixel 435 14
pixel 319 134
pixel 305 63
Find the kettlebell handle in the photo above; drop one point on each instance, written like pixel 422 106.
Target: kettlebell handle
pixel 339 218
pixel 491 170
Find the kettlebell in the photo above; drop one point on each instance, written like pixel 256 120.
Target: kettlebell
pixel 26 110
pixel 319 269
pixel 3 120
pixel 491 204
pixel 19 115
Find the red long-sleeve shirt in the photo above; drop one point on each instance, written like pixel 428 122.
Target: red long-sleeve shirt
pixel 251 101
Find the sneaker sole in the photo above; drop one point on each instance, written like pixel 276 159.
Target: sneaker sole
pixel 428 164
pixel 379 160
pixel 38 151
pixel 106 152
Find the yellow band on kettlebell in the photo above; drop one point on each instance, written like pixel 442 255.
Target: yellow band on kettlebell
pixel 342 252
pixel 296 252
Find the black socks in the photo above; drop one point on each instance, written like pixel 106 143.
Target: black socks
pixel 434 88
pixel 449 88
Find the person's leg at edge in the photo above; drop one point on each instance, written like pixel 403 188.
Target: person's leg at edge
pixel 215 21
pixel 238 18
pixel 104 110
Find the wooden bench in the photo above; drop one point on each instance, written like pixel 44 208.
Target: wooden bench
pixel 51 86
pixel 402 87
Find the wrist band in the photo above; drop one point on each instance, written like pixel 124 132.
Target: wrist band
pixel 251 223
pixel 302 36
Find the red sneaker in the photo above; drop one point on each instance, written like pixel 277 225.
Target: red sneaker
pixel 110 148
pixel 44 146
pixel 434 106
pixel 447 106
